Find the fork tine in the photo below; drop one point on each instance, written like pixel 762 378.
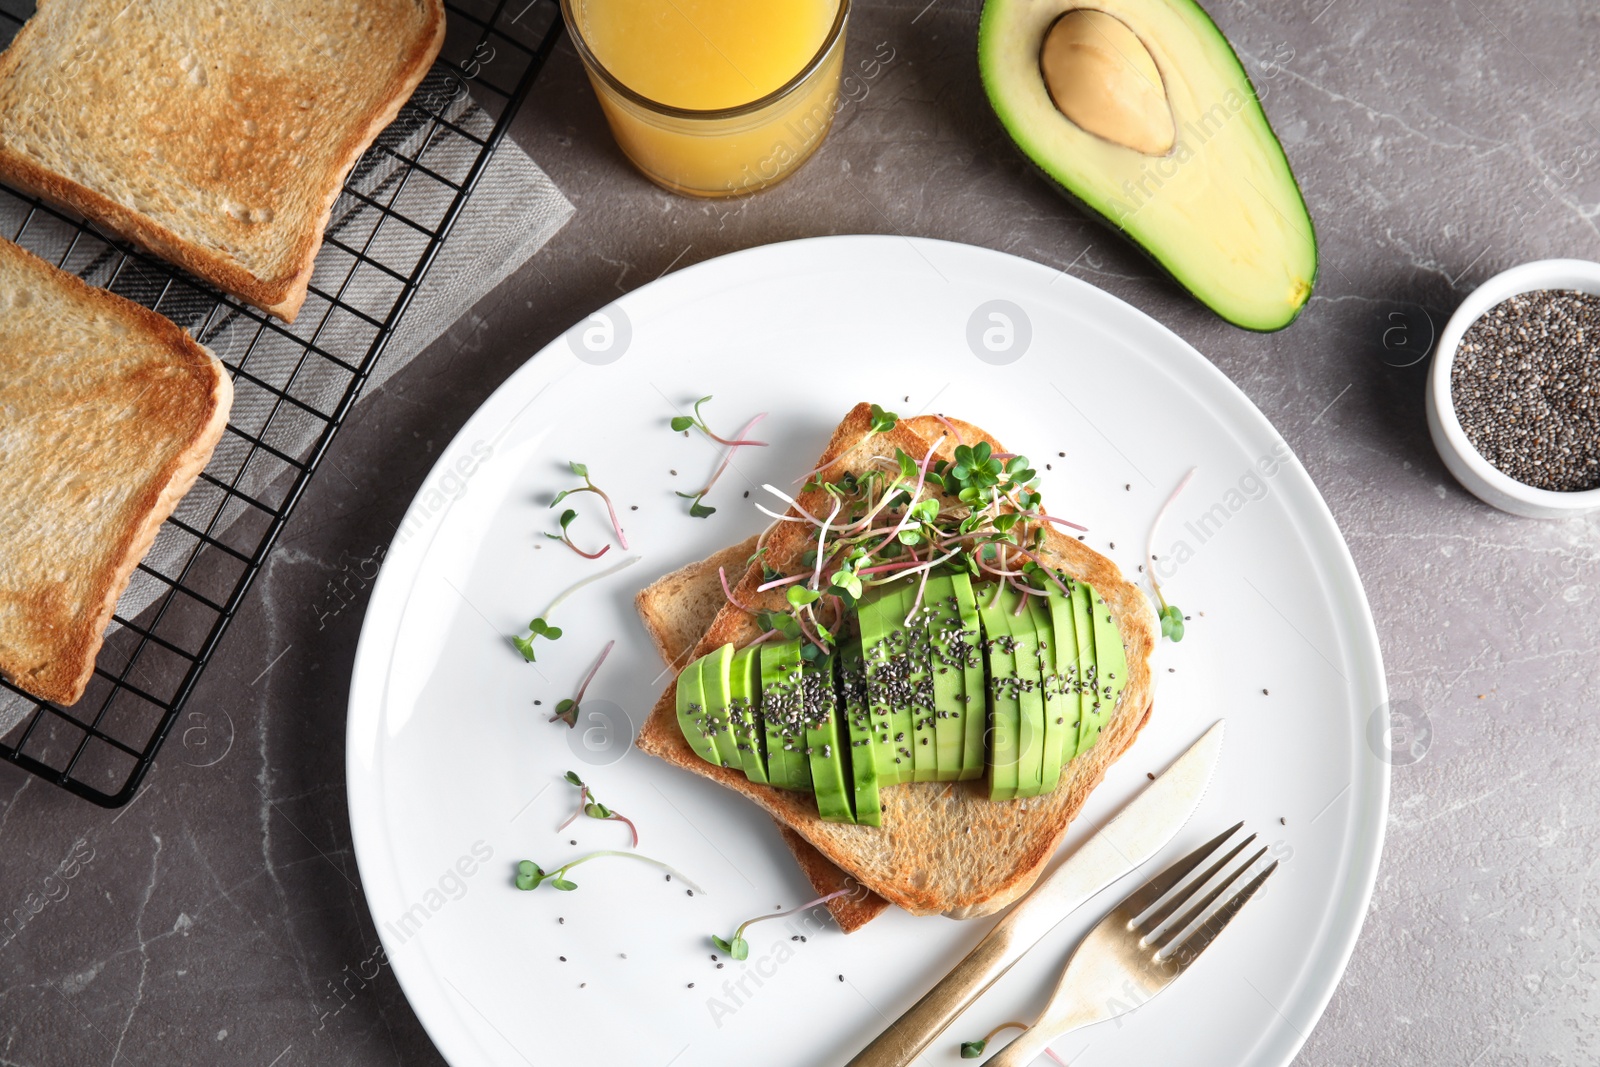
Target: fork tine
pixel 1199 909
pixel 1161 914
pixel 1155 888
pixel 1187 952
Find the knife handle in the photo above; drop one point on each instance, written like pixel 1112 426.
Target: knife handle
pixel 925 1020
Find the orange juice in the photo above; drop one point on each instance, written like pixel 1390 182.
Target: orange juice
pixel 713 97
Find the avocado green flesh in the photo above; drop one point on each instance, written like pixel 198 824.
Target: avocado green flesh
pixel 1221 211
pixel 782 709
pixel 967 648
pixel 1092 716
pixel 883 645
pixel 692 715
pixel 1055 715
pixel 857 719
pixel 716 687
pixel 1067 658
pixel 824 746
pixel 1005 705
pixel 1111 664
pixel 744 712
pixel 924 694
pixel 1030 696
pixel 949 712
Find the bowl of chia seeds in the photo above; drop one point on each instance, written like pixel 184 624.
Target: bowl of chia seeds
pixel 1514 391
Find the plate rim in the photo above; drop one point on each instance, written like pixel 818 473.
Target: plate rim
pixel 441 1018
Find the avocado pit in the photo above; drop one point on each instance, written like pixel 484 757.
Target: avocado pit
pixel 1102 78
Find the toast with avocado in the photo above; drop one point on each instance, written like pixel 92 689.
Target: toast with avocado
pixel 933 796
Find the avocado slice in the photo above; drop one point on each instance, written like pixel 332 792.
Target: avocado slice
pixel 824 747
pixel 1111 662
pixel 966 647
pixel 884 646
pixel 1090 718
pixel 692 716
pixel 1030 695
pixel 924 697
pixel 857 717
pixel 1005 703
pixel 715 687
pixel 949 678
pixel 1055 712
pixel 782 710
pixel 1140 111
pixel 744 712
pixel 1067 661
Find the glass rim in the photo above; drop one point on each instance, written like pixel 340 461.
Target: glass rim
pixel 615 84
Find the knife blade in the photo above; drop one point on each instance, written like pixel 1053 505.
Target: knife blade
pixel 1140 830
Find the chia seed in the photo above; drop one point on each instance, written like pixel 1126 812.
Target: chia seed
pixel 1526 387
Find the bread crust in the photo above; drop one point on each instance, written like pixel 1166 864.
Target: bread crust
pixel 924 858
pixel 55 658
pixel 284 292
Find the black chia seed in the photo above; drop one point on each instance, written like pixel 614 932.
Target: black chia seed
pixel 1526 387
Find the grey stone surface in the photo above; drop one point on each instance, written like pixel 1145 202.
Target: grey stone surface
pixel 219 918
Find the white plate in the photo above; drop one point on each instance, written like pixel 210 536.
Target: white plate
pixel 454 774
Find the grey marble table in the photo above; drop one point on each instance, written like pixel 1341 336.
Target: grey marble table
pixel 220 919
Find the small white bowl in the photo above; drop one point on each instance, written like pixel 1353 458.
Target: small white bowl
pixel 1484 480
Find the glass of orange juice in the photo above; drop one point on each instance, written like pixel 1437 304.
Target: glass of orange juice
pixel 713 97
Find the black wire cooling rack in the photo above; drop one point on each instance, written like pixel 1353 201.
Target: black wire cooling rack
pixel 396 211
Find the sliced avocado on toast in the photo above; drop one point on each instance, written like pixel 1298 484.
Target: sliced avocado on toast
pixel 924 714
pixel 949 679
pixel 782 713
pixel 716 690
pixel 1111 665
pixel 744 712
pixel 692 716
pixel 1055 711
pixel 825 749
pixel 1030 696
pixel 1140 111
pixel 966 647
pixel 1005 701
pixel 856 714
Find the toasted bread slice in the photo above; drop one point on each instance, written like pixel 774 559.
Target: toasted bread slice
pixel 216 135
pixel 943 847
pixel 110 413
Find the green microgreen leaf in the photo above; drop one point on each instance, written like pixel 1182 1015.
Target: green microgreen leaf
pixel 681 423
pixel 529 875
pixel 563 884
pixel 1172 623
pixel 799 596
pixel 567 517
pixel 883 421
pixel 697 510
pixel 573 779
pixel 971 1050
pixel 567 712
pixel 579 469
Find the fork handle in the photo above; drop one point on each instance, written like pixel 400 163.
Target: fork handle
pixel 1024 1050
pixel 914 1031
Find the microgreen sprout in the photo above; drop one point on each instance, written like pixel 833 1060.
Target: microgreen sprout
pixel 589 804
pixel 684 422
pixel 566 539
pixel 567 710
pixel 1170 615
pixel 531 876
pixel 698 508
pixel 539 628
pixel 588 486
pixel 971 1050
pixel 738 948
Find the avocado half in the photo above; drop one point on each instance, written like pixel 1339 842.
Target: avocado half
pixel 1140 111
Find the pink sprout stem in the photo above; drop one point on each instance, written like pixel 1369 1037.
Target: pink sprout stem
pixel 1150 546
pixel 586 555
pixel 578 700
pixel 782 914
pixel 1041 516
pixel 583 801
pixel 953 431
pixel 722 575
pixel 727 457
pixel 776 582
